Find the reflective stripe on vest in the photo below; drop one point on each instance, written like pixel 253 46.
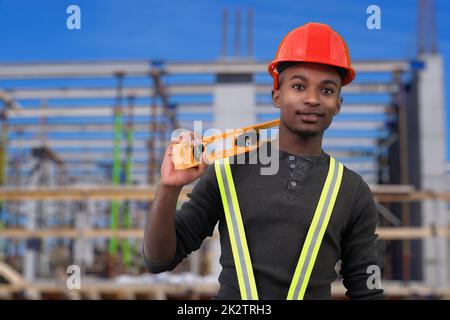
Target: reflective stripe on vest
pixel 308 255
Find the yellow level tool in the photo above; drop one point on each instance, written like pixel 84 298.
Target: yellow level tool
pixel 185 156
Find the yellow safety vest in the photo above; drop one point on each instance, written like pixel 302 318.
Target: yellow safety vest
pixel 241 254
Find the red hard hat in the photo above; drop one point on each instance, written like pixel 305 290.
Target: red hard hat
pixel 316 43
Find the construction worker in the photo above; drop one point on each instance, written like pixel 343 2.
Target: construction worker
pixel 281 235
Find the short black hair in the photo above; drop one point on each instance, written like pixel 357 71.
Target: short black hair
pixel 286 64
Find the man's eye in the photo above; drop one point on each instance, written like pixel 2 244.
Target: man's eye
pixel 298 86
pixel 327 91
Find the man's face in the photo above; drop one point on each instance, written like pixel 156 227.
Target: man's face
pixel 308 97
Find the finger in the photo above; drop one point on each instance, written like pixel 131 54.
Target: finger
pixel 205 158
pixel 187 137
pixel 201 168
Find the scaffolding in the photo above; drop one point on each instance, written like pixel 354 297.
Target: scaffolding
pixel 103 211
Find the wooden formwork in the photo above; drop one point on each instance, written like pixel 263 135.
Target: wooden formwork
pixel 17 288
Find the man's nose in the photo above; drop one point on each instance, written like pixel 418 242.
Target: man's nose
pixel 312 97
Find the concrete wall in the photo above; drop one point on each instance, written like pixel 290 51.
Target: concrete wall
pixel 433 158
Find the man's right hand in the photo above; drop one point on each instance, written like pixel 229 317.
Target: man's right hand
pixel 178 178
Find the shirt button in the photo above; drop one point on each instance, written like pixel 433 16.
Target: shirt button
pixel 293 183
pixel 291 158
pixel 292 166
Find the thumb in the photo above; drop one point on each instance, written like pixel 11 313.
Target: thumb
pixel 202 167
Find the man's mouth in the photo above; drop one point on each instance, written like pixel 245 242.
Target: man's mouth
pixel 309 116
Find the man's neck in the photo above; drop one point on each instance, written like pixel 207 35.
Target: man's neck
pixel 299 145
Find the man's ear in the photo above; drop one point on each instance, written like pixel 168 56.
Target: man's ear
pixel 276 98
pixel 339 105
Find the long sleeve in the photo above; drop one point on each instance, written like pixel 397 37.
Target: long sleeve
pixel 359 247
pixel 194 221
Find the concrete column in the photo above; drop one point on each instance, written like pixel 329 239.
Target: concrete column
pixel 32 245
pixel 432 145
pixel 30 257
pixel 234 103
pixel 83 248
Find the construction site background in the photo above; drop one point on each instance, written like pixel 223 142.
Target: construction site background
pixel 81 142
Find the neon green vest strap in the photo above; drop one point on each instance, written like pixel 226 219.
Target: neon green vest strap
pixel 241 255
pixel 308 255
pixel 316 231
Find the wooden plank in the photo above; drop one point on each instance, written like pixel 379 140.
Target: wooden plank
pixel 74 143
pixel 98 112
pixel 375 125
pixel 413 197
pixel 89 111
pixel 385 233
pixel 96 288
pixel 397 289
pixel 89 93
pixel 397 192
pixel 385 88
pixel 12 277
pixel 346 109
pixel 261 66
pixel 143 68
pixel 141 166
pixel 78 193
pixel 99 127
pixel 142 92
pixel 404 233
pixel 141 142
pixel 74 69
pixel 392 188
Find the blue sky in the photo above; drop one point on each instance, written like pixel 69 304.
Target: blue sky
pixel 190 30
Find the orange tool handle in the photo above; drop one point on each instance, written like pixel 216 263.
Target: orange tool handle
pixel 185 156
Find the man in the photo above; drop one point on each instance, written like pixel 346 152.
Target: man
pixel 281 235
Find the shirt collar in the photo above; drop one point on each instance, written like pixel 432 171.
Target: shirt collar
pixel 311 159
